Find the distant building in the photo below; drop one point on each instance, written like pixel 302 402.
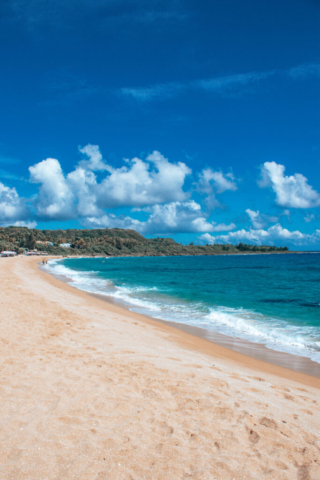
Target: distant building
pixel 49 244
pixel 65 245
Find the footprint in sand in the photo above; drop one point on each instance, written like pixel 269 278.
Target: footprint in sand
pixel 253 437
pixel 289 397
pixel 269 423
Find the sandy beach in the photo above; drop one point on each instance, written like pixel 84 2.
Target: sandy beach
pixel 91 391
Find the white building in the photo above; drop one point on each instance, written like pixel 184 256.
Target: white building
pixel 50 244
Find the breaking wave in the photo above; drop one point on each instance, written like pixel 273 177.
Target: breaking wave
pixel 157 302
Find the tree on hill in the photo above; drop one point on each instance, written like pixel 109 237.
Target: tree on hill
pixel 79 243
pixel 31 243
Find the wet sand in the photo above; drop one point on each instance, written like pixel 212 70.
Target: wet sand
pixel 253 350
pixel 90 390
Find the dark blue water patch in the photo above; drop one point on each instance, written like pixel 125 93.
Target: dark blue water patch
pixel 237 267
pixel 283 287
pixel 313 305
pixel 312 268
pixel 280 300
pixel 297 301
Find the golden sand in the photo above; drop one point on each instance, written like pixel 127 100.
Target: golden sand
pixel 90 391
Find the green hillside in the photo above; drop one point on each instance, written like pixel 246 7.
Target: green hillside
pixel 111 242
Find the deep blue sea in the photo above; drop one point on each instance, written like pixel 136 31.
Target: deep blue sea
pixel 269 299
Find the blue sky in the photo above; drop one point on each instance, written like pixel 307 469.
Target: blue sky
pixel 193 119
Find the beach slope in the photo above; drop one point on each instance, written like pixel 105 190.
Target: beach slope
pixel 90 391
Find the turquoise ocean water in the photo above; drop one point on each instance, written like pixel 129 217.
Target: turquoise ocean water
pixel 269 299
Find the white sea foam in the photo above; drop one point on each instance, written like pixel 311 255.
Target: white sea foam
pixel 252 326
pixel 89 281
pixel 274 333
pixel 84 280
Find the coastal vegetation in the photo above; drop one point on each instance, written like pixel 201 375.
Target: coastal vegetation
pixel 112 242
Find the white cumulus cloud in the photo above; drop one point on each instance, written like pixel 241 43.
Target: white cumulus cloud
pixel 274 234
pixel 94 160
pixel 291 191
pixel 206 238
pixel 28 224
pixel 222 227
pixel 12 207
pixel 260 220
pixel 174 217
pixel 112 221
pixel 55 200
pixel 256 219
pixel 138 183
pixel 215 182
pixel 177 217
pixel 83 184
pixel 309 218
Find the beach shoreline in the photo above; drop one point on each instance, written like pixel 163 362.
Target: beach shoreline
pixel 92 391
pixel 254 351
